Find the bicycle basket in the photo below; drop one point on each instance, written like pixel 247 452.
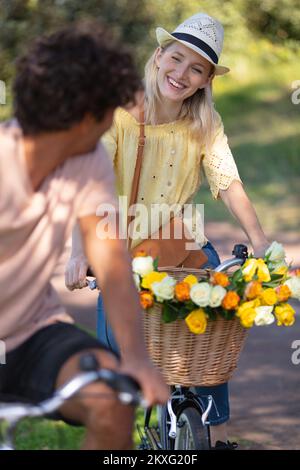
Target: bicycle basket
pixel 186 358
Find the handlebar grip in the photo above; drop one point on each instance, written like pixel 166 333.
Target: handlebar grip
pixel 88 363
pixel 240 251
pixel 125 383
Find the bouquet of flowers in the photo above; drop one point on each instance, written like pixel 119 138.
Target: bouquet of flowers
pixel 257 293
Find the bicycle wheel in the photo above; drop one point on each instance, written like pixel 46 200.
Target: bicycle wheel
pixel 191 434
pixel 163 422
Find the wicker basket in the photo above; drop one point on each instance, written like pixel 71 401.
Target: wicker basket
pixel 189 359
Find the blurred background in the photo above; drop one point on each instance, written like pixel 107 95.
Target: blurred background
pixel 262 48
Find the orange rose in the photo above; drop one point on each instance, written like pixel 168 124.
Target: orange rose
pixel 253 290
pixel 220 279
pixel 231 300
pixel 283 293
pixel 146 299
pixel 182 291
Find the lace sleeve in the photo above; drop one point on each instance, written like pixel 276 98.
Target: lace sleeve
pixel 219 165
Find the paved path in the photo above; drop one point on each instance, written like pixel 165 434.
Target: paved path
pixel 265 390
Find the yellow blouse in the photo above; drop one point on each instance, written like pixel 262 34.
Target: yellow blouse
pixel 172 160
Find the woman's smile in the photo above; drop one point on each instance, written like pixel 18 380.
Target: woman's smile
pixel 175 85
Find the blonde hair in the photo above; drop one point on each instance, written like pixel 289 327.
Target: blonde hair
pixel 198 110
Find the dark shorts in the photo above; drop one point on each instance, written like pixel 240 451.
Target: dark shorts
pixel 31 370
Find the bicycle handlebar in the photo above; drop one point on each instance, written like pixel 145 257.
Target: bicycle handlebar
pixel 240 253
pixel 127 389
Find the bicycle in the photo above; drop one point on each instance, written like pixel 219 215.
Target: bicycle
pixel 183 423
pixel 126 388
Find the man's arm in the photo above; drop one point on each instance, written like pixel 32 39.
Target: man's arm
pixel 111 264
pixel 77 266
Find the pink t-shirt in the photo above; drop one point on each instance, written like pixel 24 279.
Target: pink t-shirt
pixel 34 227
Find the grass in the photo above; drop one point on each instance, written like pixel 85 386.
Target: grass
pixel 262 125
pixel 43 434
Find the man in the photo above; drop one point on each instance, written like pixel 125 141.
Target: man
pixel 52 173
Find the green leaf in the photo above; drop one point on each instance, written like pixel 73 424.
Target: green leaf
pixel 155 264
pixel 168 314
pixel 228 314
pixel 211 312
pixel 237 276
pixel 276 276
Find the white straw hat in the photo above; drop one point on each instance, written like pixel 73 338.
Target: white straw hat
pixel 201 33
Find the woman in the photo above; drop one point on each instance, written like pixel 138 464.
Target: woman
pixel 184 133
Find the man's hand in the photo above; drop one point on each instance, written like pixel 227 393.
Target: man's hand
pixel 154 389
pixel 75 272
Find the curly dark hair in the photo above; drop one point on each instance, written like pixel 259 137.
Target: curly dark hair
pixel 74 71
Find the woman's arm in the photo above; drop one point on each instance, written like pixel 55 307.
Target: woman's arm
pixel 240 206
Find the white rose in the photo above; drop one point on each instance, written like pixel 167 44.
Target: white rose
pixel 137 281
pixel 276 252
pixel 294 285
pixel 200 293
pixel 264 316
pixel 217 294
pixel 142 265
pixel 164 290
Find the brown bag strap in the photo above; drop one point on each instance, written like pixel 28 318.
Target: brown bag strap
pixel 138 167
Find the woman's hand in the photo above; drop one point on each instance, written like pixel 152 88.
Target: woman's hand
pixel 75 272
pixel 260 250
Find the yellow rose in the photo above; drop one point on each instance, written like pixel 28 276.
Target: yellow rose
pixel 154 276
pixel 285 315
pixel 268 297
pixel 263 273
pixel 197 321
pixel 246 305
pixel 249 269
pixel 247 317
pixel 190 279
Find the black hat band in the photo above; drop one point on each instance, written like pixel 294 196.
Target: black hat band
pixel 198 43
